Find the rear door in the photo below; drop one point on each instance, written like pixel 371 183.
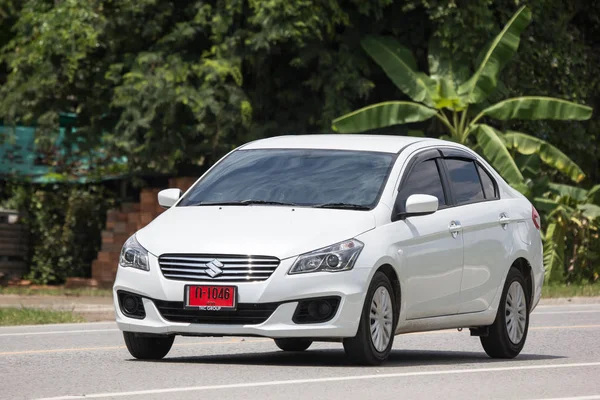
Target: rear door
pixel 431 245
pixel 486 230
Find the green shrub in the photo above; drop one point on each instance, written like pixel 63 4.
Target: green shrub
pixel 65 223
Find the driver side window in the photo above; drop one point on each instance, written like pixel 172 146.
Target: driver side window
pixel 423 178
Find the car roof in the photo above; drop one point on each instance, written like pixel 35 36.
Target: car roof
pixel 380 143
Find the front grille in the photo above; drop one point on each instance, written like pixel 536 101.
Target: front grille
pixel 246 313
pixel 223 268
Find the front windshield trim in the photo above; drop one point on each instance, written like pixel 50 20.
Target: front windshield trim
pixel 394 157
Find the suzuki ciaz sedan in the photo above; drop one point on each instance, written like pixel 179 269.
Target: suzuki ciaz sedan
pixel 348 238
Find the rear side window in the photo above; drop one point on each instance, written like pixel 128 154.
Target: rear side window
pixel 424 178
pixel 489 188
pixel 465 182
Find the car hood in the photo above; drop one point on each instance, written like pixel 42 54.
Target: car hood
pixel 251 230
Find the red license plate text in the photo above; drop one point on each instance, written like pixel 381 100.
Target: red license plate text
pixel 211 298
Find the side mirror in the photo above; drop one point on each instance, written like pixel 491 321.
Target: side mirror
pixel 421 204
pixel 168 197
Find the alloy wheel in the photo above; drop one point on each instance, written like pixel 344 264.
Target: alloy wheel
pixel 516 312
pixel 381 317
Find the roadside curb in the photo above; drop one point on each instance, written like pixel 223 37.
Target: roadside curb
pixel 91 308
pixel 569 300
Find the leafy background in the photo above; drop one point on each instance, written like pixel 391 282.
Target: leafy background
pixel 173 85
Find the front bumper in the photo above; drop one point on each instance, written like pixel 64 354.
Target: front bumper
pixel 287 290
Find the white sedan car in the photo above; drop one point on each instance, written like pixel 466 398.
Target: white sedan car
pixel 349 238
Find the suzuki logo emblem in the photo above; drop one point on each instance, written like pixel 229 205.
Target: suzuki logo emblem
pixel 213 268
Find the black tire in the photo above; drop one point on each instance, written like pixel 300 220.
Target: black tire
pixel 498 344
pixel 145 347
pixel 293 344
pixel 360 349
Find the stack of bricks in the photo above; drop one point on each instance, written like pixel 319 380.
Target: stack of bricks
pixel 122 223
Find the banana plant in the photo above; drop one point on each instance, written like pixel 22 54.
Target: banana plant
pixel 572 222
pixel 459 103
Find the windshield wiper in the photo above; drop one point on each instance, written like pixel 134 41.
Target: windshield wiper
pixel 269 202
pixel 347 206
pixel 245 203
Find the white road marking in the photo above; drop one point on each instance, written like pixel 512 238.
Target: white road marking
pixel 568 305
pixel 61 325
pixel 565 312
pixel 58 332
pixel 592 397
pixel 321 380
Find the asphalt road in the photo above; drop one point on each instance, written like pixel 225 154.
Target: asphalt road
pixel 560 360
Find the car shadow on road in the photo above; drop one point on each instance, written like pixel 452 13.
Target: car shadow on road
pixel 337 358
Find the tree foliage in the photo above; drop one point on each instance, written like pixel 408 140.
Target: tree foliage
pixel 446 95
pixel 173 85
pixel 65 223
pixel 571 240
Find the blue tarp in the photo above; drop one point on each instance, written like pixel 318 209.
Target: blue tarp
pixel 19 159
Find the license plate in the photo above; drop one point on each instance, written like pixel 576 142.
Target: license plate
pixel 210 298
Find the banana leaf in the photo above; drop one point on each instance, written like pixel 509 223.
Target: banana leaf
pixel 554 252
pixel 504 46
pixel 448 73
pixel 563 212
pixel 593 195
pixel 381 115
pixel 444 95
pixel 590 211
pixel 400 66
pixel 536 107
pixel 569 192
pixel 526 144
pixel 529 164
pixel 544 205
pixel 494 150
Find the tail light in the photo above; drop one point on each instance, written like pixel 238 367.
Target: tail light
pixel 535 216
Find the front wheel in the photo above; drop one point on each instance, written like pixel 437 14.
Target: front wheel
pixel 293 344
pixel 148 347
pixel 375 337
pixel 507 334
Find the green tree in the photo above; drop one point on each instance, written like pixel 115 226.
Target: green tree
pixel 173 85
pixel 64 222
pixel 459 102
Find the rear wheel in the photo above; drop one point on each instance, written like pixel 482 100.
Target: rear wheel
pixel 507 334
pixel 375 337
pixel 148 347
pixel 293 344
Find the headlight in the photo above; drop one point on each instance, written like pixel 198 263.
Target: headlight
pixel 133 255
pixel 334 258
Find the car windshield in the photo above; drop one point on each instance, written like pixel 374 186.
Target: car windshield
pixel 299 177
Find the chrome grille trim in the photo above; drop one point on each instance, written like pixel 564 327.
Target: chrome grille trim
pixel 223 259
pixel 227 265
pixel 235 268
pixel 232 271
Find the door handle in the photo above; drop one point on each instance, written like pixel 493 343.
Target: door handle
pixel 454 228
pixel 504 220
